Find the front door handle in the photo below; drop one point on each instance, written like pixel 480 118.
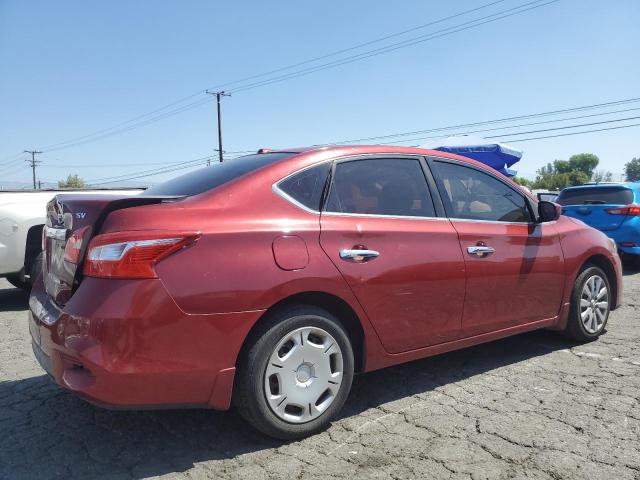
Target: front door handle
pixel 358 255
pixel 480 251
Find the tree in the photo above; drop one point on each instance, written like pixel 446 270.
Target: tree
pixel 602 176
pixel 522 181
pixel 72 181
pixel 584 162
pixel 632 170
pixel 566 173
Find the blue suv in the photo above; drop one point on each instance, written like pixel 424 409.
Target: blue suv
pixel 613 208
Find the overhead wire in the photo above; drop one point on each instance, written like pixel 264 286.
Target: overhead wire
pixel 151 117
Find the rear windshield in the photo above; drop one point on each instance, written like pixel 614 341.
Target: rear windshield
pixel 596 196
pixel 217 174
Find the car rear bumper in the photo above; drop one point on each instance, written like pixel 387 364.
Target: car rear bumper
pixel 125 343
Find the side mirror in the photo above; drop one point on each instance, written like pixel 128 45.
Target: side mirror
pixel 548 211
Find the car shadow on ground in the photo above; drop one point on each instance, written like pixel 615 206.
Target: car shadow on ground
pixel 13 300
pixel 44 425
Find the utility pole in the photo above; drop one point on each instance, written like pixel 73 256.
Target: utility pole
pixel 33 162
pixel 219 96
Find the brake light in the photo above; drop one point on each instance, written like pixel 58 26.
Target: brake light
pixel 631 210
pixel 132 254
pixel 73 247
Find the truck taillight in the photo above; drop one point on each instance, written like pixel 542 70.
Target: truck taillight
pixel 631 210
pixel 132 254
pixel 73 247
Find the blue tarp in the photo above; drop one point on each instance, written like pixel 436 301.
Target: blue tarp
pixel 494 154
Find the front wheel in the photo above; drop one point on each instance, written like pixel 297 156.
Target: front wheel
pixel 590 305
pixel 296 374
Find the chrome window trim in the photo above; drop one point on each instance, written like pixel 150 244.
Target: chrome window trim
pixel 290 199
pixel 377 215
pixel 499 222
pixel 364 156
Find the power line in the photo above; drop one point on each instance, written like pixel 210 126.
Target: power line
pixel 406 43
pixel 63 145
pixel 182 164
pixel 575 133
pixel 565 127
pixel 149 117
pixel 355 47
pixel 489 122
pixel 508 127
pixel 182 167
pixel 149 174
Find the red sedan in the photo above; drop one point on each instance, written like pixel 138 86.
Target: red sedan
pixel 269 280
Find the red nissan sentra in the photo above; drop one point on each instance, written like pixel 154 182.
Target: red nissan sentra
pixel 270 279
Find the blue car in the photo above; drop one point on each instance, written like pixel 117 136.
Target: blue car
pixel 613 208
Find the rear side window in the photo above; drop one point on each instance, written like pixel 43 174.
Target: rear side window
pixel 474 195
pixel 596 196
pixel 217 174
pixel 380 187
pixel 306 187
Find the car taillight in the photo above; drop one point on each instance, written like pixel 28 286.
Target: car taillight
pixel 73 247
pixel 631 210
pixel 132 254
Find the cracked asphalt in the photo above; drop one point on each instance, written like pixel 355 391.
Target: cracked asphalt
pixel 531 406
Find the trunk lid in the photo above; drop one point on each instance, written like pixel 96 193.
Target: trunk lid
pixel 69 214
pixel 591 204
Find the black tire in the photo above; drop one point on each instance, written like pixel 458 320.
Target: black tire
pixel 632 261
pixel 36 269
pixel 17 282
pixel 250 392
pixel 576 328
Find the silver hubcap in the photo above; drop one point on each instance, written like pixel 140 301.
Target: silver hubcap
pixel 594 304
pixel 304 374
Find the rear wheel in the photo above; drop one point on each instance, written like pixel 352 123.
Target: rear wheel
pixel 590 305
pixel 296 374
pixel 20 281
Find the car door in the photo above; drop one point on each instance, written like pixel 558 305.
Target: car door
pixel 514 266
pixel 402 261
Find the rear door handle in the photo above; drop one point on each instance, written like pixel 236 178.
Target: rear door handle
pixel 480 251
pixel 358 255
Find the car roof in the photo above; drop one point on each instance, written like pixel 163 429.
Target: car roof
pixel 347 150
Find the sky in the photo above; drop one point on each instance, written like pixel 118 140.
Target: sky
pixel 69 69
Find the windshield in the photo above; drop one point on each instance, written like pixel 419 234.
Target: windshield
pixel 217 174
pixel 596 196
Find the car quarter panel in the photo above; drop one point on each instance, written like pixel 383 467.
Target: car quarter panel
pixel 574 236
pixel 125 342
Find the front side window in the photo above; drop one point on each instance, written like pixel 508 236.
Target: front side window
pixel 474 195
pixel 380 187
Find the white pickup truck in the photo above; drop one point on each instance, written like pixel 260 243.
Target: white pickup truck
pixel 22 216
